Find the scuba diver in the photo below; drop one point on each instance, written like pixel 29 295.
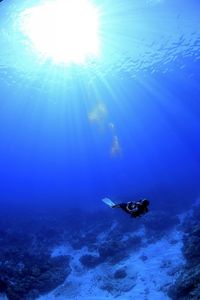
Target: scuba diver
pixel 135 209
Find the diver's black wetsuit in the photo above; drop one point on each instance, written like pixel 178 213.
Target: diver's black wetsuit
pixel 135 209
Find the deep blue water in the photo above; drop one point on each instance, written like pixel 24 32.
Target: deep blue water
pixel 144 92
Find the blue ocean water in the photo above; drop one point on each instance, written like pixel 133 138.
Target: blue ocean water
pixel 144 88
pixel 124 126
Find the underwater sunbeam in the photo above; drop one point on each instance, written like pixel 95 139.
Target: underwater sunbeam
pixel 65 31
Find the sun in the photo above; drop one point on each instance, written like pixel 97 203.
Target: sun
pixel 66 31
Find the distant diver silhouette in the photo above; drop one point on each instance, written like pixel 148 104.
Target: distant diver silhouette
pixel 135 209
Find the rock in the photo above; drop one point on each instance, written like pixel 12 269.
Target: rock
pixel 112 252
pixel 119 286
pixel 3 285
pixel 187 284
pixel 109 287
pixel 173 271
pixel 143 257
pixel 89 261
pixel 120 274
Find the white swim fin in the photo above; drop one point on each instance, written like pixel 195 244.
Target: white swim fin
pixel 108 201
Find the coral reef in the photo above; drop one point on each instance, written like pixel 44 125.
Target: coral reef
pixel 28 267
pixel 187 284
pixel 32 277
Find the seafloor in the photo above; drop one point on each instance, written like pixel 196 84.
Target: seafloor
pixel 99 255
